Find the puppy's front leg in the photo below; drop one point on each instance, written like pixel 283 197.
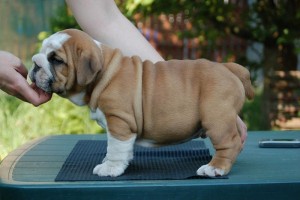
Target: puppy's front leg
pixel 119 154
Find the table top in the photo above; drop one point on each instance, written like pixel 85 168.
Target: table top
pixel 259 173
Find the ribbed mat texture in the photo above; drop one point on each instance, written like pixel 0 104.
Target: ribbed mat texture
pixel 165 163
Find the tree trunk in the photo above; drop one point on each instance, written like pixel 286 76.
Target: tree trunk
pixel 269 65
pixel 287 58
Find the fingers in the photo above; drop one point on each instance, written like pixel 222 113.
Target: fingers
pixel 43 96
pixel 35 95
pixel 13 75
pixel 22 70
pixel 29 93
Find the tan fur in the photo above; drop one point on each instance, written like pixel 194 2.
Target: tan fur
pixel 167 102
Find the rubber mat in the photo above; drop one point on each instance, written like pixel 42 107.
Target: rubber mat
pixel 174 162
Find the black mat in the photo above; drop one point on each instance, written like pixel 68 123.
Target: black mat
pixel 165 163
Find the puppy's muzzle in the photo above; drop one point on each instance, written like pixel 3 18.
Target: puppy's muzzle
pixel 40 78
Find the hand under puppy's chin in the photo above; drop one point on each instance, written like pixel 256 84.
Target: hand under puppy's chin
pixel 41 92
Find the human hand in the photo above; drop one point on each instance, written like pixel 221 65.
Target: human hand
pixel 13 76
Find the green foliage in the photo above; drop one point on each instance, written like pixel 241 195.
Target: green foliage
pixel 132 5
pixel 266 21
pixel 278 21
pixel 22 122
pixel 64 19
pixel 197 12
pixel 273 23
pixel 251 112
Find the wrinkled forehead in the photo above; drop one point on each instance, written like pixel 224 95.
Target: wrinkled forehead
pixel 54 42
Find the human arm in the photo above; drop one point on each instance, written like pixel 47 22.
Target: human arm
pixel 13 80
pixel 104 22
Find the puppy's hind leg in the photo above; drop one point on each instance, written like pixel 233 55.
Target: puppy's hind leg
pixel 222 130
pixel 119 154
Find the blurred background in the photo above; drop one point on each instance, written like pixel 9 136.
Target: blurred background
pixel 262 35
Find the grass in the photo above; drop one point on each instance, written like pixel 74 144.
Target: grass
pixel 21 122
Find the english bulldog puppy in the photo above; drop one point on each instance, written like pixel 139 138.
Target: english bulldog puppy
pixel 150 104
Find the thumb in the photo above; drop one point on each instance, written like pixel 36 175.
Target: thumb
pixel 22 70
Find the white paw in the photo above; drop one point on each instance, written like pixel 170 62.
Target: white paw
pixel 207 170
pixel 110 168
pixel 104 159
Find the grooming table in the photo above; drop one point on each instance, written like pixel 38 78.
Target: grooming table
pixel 259 173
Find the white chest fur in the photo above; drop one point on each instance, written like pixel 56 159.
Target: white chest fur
pixel 99 116
pixel 78 99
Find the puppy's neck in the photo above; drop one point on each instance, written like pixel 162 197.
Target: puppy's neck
pixel 111 63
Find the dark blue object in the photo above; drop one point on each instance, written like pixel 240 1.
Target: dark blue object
pixel 170 162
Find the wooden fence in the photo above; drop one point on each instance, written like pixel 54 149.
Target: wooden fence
pixel 285 98
pixel 162 32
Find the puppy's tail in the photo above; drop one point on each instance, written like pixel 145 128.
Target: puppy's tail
pixel 244 75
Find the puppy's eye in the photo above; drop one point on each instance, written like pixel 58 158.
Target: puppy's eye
pixel 54 59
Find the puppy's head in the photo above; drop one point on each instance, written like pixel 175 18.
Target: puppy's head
pixel 67 62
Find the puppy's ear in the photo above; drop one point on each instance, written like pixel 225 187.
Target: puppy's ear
pixel 88 66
